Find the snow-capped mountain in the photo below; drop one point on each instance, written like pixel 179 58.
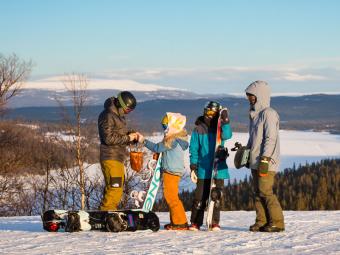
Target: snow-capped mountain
pixel 43 92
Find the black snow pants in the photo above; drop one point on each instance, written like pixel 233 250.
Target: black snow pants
pixel 201 200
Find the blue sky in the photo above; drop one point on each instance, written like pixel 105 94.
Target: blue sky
pixel 196 45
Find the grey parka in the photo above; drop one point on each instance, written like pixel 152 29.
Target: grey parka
pixel 263 128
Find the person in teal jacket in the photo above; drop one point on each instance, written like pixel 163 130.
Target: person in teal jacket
pixel 202 149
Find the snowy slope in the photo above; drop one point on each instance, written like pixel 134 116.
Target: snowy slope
pixel 315 232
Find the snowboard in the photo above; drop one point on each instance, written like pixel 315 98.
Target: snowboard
pixel 146 199
pixel 213 193
pixel 112 221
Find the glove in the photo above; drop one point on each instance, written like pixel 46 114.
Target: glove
pixel 224 116
pixel 193 174
pixel 222 153
pixel 133 137
pixel 141 138
pixel 264 166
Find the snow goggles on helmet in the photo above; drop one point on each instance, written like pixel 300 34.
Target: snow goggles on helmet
pixel 127 110
pixel 210 113
pixel 123 105
pixel 211 109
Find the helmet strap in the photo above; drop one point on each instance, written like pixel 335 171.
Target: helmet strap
pixel 121 102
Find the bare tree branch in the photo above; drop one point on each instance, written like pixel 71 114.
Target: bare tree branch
pixel 13 73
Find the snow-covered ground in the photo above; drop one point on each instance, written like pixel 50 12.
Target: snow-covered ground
pixel 314 232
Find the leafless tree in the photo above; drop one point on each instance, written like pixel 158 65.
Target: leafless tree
pixel 13 73
pixel 76 85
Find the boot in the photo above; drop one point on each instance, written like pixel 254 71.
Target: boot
pixel 256 227
pixel 176 226
pixel 271 228
pixel 194 227
pixel 215 227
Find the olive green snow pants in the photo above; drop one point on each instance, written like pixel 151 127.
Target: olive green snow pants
pixel 268 208
pixel 113 172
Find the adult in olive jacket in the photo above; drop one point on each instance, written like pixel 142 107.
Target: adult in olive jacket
pixel 264 159
pixel 114 138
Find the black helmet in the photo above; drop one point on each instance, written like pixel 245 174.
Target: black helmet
pixel 127 101
pixel 211 109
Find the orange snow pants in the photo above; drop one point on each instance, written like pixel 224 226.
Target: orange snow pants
pixel 170 190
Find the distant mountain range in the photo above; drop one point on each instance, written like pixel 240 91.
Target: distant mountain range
pixel 43 92
pixel 40 97
pixel 313 112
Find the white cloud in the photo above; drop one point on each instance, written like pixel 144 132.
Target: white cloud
pixel 302 77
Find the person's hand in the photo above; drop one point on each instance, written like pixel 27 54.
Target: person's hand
pixel 222 153
pixel 224 116
pixel 193 174
pixel 264 166
pixel 141 138
pixel 133 137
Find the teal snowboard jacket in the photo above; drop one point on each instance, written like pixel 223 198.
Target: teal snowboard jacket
pixel 202 149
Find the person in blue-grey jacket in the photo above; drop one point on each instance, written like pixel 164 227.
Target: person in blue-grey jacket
pixel 202 149
pixel 172 147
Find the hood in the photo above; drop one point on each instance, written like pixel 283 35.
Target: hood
pixel 110 105
pixel 109 102
pixel 262 91
pixel 209 123
pixel 199 120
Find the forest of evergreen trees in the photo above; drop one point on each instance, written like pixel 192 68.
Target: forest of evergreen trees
pixel 310 187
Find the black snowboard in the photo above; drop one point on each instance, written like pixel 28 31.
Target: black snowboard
pixel 113 221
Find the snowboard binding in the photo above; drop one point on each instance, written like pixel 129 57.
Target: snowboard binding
pixel 53 220
pixel 116 222
pixel 72 222
pixel 138 196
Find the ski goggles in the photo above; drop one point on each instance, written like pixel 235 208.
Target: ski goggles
pixel 210 113
pixel 126 109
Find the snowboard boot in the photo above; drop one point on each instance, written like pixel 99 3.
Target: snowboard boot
pixel 51 221
pixel 171 226
pixel 153 222
pixel 116 223
pixel 256 227
pixel 73 222
pixel 215 227
pixel 271 228
pixel 194 227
